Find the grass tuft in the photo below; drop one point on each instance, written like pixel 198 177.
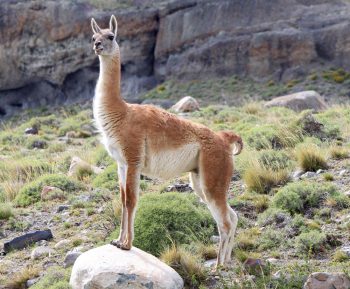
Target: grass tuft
pixel 310 158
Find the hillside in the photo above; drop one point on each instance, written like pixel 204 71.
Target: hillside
pixel 290 190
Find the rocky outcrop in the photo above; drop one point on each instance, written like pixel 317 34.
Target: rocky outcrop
pixel 109 267
pixel 300 101
pixel 46 55
pixel 320 280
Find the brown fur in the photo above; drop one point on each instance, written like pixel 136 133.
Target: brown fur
pixel 136 135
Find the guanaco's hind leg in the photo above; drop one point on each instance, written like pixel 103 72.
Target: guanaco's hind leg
pixel 212 184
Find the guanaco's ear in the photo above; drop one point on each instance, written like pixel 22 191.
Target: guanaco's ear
pixel 94 26
pixel 113 25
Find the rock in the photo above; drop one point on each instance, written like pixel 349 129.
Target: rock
pixel 346 250
pixel 70 258
pixel 308 175
pixel 40 252
pixel 31 130
pixel 62 208
pixel 297 174
pixel 255 266
pixel 186 104
pixel 78 163
pixel 347 193
pixel 62 244
pixel 299 101
pixel 112 268
pixel 210 263
pixel 343 172
pixel 179 188
pixel 272 261
pixel 215 239
pixel 320 280
pixel 27 239
pixel 31 282
pixel 39 144
pixel 320 171
pixel 50 193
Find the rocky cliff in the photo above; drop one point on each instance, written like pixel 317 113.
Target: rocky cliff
pixel 46 56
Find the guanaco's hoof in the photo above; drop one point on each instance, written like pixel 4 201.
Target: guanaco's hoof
pixel 116 243
pixel 124 246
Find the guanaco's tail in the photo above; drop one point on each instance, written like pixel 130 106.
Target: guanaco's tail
pixel 234 139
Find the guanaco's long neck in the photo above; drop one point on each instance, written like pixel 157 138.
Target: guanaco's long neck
pixel 108 94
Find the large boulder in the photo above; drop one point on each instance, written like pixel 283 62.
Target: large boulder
pixel 299 101
pixel 186 104
pixel 320 280
pixel 108 267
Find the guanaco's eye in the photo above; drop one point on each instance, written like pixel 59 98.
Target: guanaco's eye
pixel 111 37
pixel 93 39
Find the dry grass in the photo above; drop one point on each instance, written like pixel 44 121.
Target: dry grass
pixel 261 180
pixel 185 263
pixel 6 211
pixel 205 251
pixel 310 158
pixel 247 239
pixel 338 153
pixel 11 189
pixel 20 278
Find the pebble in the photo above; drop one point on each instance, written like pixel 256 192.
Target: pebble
pixel 210 263
pixel 31 130
pixel 343 172
pixel 308 175
pixel 62 244
pixel 40 252
pixel 62 208
pixel 31 282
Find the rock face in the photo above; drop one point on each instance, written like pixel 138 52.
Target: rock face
pixel 321 280
pixel 299 101
pixel 46 56
pixel 109 267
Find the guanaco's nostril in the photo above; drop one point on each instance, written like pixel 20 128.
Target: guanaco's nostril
pixel 98 43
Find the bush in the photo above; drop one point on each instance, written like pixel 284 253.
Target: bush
pixel 310 242
pixel 108 179
pixel 164 219
pixel 273 216
pixel 56 278
pixel 186 263
pixel 297 197
pixel 30 193
pixel 271 238
pixel 275 160
pixel 6 211
pixel 261 180
pixel 339 153
pixel 310 158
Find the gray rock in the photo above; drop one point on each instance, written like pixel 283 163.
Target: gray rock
pixel 343 173
pixel 186 104
pixel 297 174
pixel 179 188
pixel 31 130
pixel 70 258
pixel 308 175
pixel 321 280
pixel 62 208
pixel 27 239
pixel 41 252
pixel 215 239
pixel 31 282
pixel 299 101
pixel 346 250
pixel 210 263
pixel 62 244
pixel 109 267
pixel 320 171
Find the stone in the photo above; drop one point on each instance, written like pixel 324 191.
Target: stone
pixel 320 171
pixel 39 144
pixel 109 267
pixel 31 282
pixel 210 263
pixel 186 104
pixel 77 163
pixel 297 174
pixel 31 130
pixel 321 280
pixel 50 193
pixel 308 175
pixel 299 101
pixel 62 208
pixel 346 250
pixel 215 239
pixel 179 188
pixel 62 244
pixel 343 173
pixel 272 261
pixel 255 266
pixel 27 239
pixel 70 258
pixel 40 252
pixel 347 193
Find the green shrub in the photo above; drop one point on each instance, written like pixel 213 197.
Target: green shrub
pixel 6 211
pixel 275 160
pixel 271 238
pixel 55 278
pixel 30 193
pixel 273 216
pixel 164 219
pixel 311 241
pixel 296 197
pixel 108 179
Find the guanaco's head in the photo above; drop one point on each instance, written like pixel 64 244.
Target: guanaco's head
pixel 104 40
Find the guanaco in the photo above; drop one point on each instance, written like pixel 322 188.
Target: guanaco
pixel 147 140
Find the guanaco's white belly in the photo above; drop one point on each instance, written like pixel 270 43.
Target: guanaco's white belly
pixel 167 164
